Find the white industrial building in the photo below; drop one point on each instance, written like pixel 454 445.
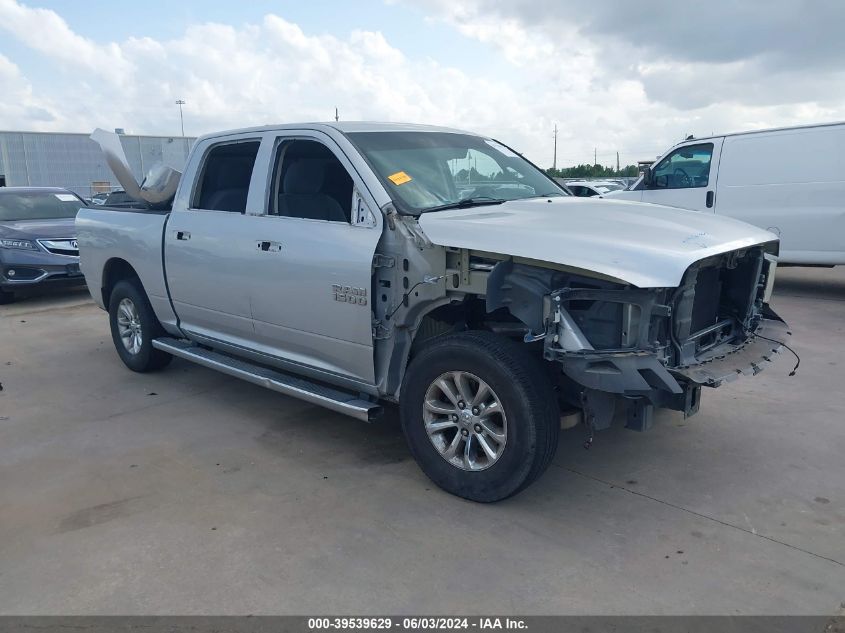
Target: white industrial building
pixel 75 162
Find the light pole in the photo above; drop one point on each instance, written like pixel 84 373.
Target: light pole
pixel 180 103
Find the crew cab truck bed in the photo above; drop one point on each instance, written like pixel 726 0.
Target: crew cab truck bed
pixel 352 264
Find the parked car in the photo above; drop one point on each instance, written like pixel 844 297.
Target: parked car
pixel 338 263
pixel 592 188
pixel 789 181
pixel 99 198
pixel 37 239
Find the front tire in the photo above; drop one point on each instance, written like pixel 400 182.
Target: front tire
pixel 6 297
pixel 134 326
pixel 479 415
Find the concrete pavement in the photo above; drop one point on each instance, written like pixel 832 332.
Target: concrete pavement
pixel 188 492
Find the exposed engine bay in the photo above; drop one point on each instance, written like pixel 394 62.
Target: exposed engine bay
pixel 648 347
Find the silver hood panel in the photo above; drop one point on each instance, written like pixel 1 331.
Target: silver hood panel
pixel 646 245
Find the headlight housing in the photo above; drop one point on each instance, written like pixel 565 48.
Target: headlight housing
pixel 26 245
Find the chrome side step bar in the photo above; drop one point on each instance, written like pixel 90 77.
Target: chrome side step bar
pixel 328 397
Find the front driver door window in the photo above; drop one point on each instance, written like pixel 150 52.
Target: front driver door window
pixel 687 167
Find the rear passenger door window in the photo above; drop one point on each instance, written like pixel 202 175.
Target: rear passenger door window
pixel 226 173
pixel 310 182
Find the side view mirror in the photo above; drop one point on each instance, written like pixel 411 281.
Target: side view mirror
pixel 648 177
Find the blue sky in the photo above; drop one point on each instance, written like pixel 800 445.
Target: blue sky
pixel 160 19
pixel 613 75
pixel 168 19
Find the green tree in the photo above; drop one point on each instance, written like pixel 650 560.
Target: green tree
pixel 592 171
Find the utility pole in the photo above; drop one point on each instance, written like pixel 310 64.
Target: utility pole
pixel 617 163
pixel 336 115
pixel 554 162
pixel 595 156
pixel 180 103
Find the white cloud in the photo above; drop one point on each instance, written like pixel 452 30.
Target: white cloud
pixel 640 76
pixel 257 74
pixel 18 107
pixel 540 67
pixel 46 32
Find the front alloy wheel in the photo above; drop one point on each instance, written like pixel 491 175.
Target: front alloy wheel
pixel 479 414
pixel 465 420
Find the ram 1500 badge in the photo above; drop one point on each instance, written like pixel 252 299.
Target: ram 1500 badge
pixel 351 264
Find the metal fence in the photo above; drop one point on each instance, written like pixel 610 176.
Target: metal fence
pixel 75 162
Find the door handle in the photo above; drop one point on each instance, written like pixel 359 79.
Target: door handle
pixel 708 200
pixel 183 235
pixel 268 246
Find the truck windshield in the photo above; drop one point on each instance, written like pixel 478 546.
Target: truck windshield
pixel 427 171
pixel 38 205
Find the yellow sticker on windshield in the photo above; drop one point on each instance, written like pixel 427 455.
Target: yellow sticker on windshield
pixel 400 178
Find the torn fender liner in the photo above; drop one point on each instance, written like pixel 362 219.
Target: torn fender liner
pixel 748 359
pixel 520 289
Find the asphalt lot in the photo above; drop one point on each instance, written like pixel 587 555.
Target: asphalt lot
pixel 188 492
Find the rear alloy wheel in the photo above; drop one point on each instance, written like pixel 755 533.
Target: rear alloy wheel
pixel 134 326
pixel 129 326
pixel 479 414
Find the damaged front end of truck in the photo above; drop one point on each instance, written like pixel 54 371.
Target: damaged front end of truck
pixel 650 347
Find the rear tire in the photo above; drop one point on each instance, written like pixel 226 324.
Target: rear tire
pixel 479 415
pixel 134 326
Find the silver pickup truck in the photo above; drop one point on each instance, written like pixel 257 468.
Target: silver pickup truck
pixel 352 264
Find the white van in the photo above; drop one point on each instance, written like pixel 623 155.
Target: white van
pixel 790 181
